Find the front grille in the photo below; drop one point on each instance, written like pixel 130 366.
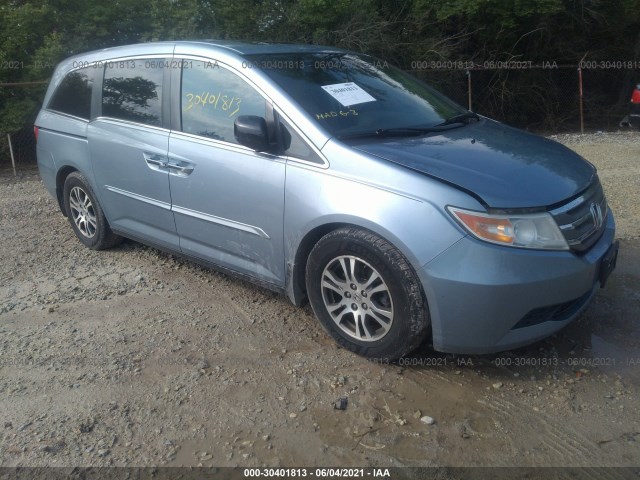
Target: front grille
pixel 583 219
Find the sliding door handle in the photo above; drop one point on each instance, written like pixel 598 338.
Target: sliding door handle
pixel 180 168
pixel 156 159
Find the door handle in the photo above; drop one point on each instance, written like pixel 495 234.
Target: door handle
pixel 182 168
pixel 155 159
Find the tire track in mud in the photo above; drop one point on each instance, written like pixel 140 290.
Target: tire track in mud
pixel 570 446
pixel 434 375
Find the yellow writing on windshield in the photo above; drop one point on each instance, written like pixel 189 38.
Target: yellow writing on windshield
pixel 226 103
pixel 338 114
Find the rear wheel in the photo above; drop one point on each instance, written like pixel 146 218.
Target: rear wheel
pixel 85 214
pixel 366 294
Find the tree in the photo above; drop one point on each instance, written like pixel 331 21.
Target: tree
pixel 34 36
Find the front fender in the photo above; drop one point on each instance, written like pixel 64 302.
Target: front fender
pixel 318 201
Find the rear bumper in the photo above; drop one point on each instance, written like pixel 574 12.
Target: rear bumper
pixel 485 298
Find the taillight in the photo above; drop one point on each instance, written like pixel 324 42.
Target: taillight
pixel 35 132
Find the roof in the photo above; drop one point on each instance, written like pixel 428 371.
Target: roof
pixel 251 48
pixel 232 47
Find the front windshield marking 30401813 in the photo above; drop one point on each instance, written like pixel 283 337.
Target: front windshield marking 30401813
pixel 349 93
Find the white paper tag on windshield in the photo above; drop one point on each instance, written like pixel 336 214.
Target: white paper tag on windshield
pixel 348 93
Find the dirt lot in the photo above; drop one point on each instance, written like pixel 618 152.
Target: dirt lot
pixel 134 357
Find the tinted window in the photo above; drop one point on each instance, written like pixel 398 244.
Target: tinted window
pixel 295 146
pixel 132 90
pixel 213 97
pixel 73 95
pixel 350 93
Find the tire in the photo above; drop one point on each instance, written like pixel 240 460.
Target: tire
pixel 85 214
pixel 384 317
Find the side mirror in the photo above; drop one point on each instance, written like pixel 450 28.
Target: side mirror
pixel 251 131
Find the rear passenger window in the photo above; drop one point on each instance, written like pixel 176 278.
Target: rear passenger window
pixel 213 97
pixel 132 90
pixel 73 95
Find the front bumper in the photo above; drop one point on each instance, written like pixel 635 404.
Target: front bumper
pixel 485 298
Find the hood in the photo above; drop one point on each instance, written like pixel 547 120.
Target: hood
pixel 504 166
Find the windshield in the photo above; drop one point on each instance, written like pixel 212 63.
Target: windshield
pixel 348 93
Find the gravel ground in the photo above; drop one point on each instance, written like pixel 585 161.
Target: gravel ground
pixel 133 357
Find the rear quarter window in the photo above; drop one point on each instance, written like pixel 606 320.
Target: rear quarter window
pixel 73 95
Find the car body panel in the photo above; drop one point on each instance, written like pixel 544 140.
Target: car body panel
pixel 56 150
pixel 497 287
pixel 504 166
pixel 134 193
pixel 361 194
pixel 230 208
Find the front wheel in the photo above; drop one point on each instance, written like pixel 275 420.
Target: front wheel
pixel 85 214
pixel 366 295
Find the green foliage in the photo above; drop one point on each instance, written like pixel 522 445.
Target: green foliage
pixel 35 35
pixel 179 20
pixel 18 112
pixel 493 29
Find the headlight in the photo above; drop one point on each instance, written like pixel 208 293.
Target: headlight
pixel 535 230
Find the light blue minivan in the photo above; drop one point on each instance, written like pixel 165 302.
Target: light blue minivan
pixel 330 176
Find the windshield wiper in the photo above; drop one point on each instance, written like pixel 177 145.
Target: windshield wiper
pixel 413 131
pixel 394 132
pixel 459 119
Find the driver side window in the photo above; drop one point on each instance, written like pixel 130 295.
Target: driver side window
pixel 212 98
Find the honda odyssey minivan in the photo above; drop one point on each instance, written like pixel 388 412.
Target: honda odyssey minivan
pixel 330 176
